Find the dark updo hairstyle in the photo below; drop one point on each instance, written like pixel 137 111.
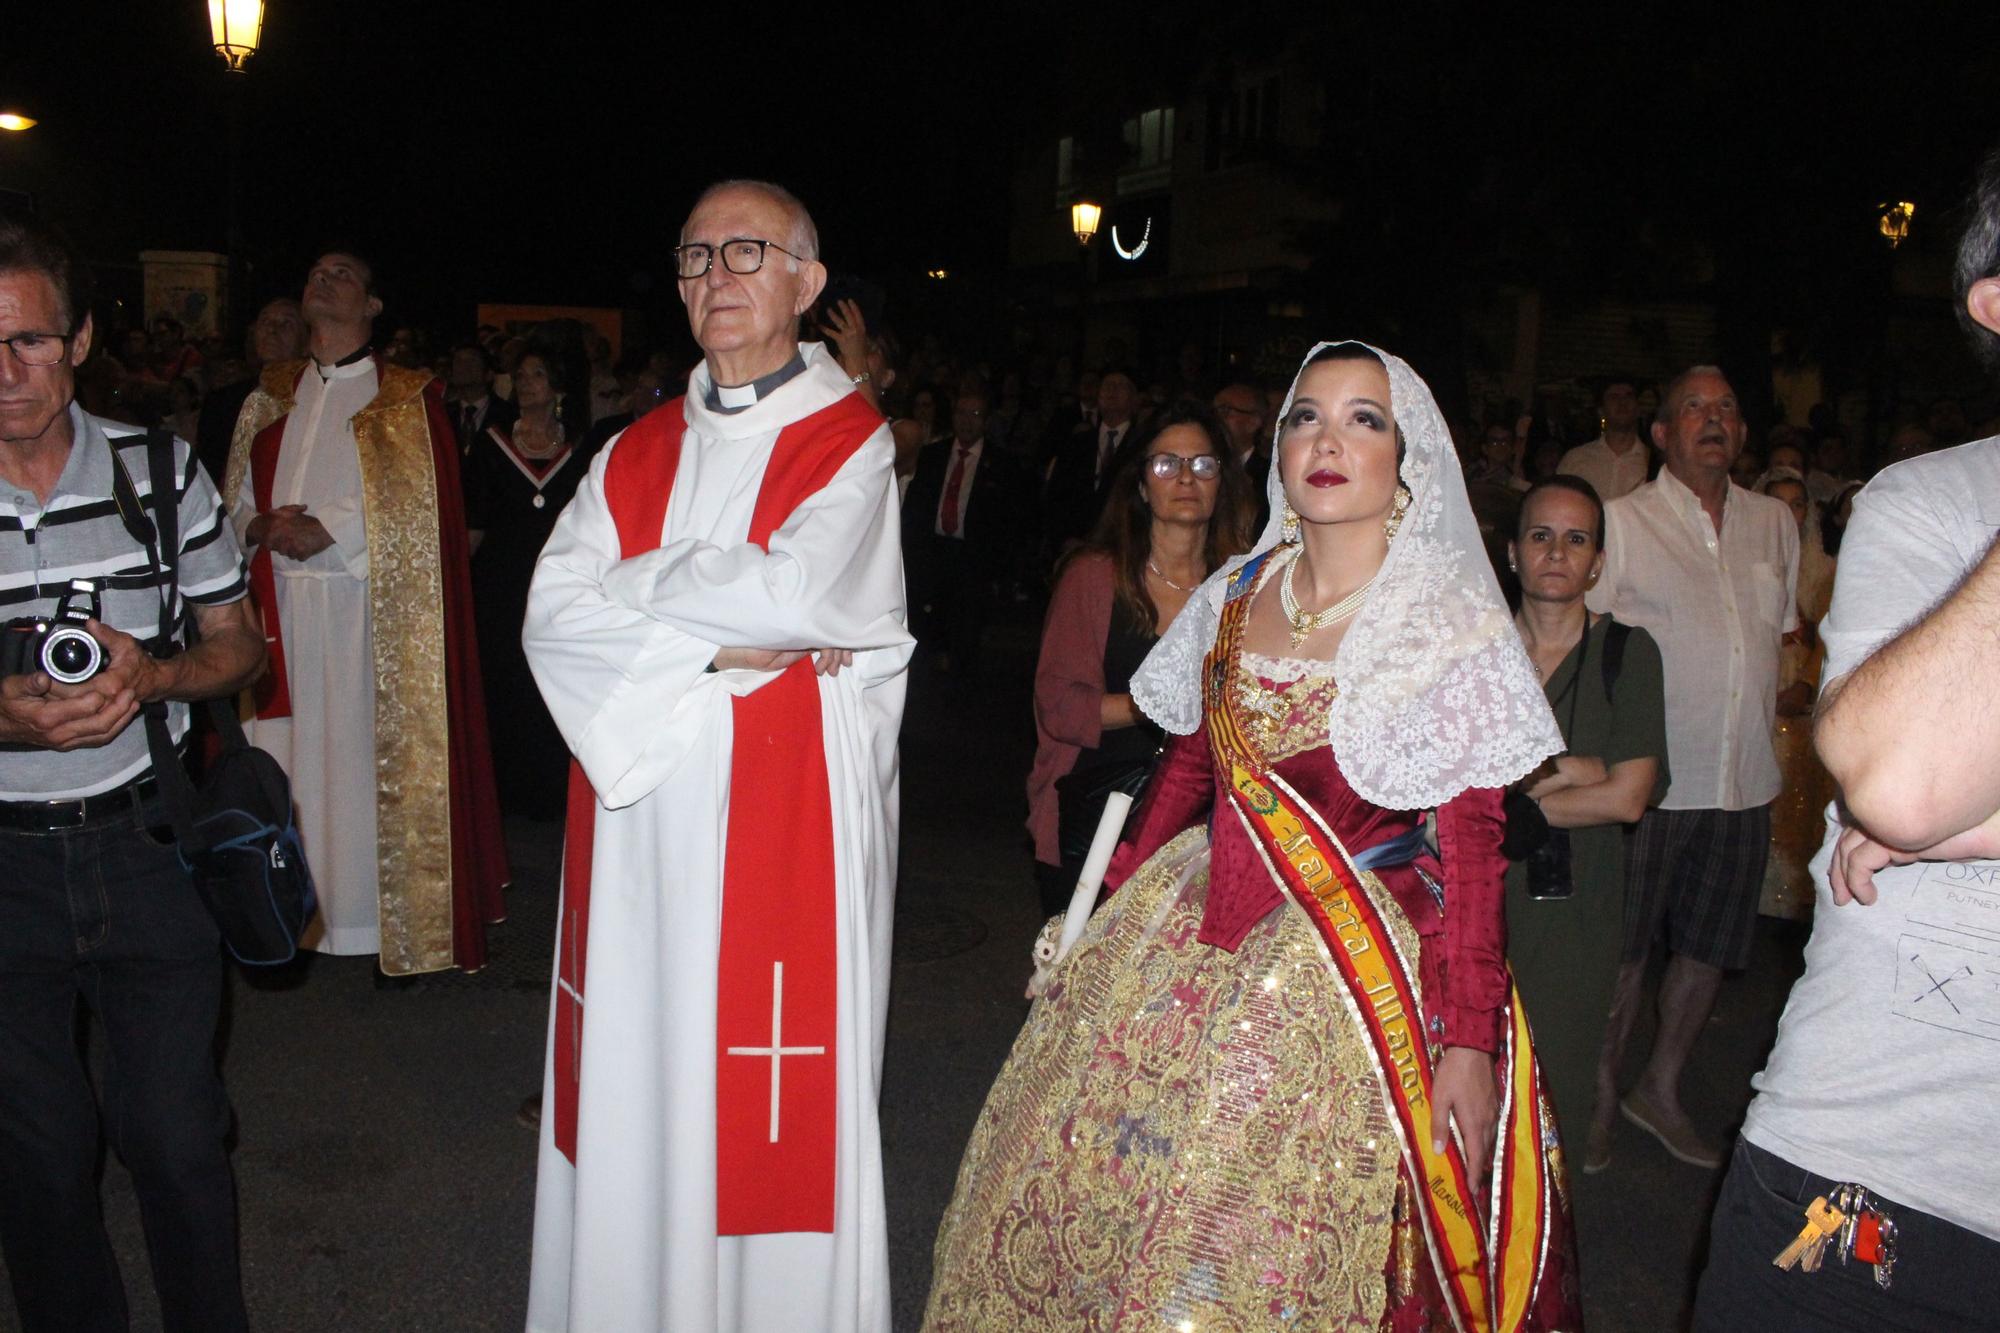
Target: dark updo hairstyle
pixel 1124 530
pixel 1561 481
pixel 559 345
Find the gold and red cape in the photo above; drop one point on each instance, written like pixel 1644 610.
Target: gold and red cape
pixel 441 861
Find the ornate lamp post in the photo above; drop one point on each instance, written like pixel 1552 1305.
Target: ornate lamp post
pixel 1083 220
pixel 1894 221
pixel 235 25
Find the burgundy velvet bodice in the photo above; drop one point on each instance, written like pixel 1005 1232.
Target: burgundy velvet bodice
pixel 1463 968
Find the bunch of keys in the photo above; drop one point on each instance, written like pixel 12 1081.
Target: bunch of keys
pixel 1823 1220
pixel 1863 1231
pixel 1868 1234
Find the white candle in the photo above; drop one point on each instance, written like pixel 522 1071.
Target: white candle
pixel 1084 900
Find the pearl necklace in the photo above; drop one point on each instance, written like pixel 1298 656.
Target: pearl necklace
pixel 1163 578
pixel 1303 624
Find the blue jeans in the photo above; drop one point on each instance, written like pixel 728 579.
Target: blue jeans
pixel 1943 1279
pixel 105 916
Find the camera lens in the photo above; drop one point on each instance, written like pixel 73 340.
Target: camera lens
pixel 71 655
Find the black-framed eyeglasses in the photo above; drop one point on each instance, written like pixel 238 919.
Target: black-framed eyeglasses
pixel 740 255
pixel 38 349
pixel 1206 467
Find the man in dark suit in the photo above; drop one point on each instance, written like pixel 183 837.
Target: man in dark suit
pixel 472 405
pixel 965 516
pixel 1240 406
pixel 1084 463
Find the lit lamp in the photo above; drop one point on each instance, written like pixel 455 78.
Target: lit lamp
pixel 235 26
pixel 1895 223
pixel 15 122
pixel 1083 220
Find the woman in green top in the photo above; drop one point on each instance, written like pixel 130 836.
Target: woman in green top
pixel 1603 682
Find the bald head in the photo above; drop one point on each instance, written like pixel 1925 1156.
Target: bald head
pixel 801 236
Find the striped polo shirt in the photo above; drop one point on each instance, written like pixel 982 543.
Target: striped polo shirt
pixel 78 535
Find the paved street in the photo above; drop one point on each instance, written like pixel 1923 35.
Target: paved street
pixel 386 1184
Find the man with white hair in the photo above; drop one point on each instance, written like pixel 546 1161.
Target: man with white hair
pixel 1708 569
pixel 717 624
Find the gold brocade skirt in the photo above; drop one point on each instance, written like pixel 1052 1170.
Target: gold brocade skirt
pixel 1798 822
pixel 1183 1138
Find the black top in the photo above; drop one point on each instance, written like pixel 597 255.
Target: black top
pixel 1125 648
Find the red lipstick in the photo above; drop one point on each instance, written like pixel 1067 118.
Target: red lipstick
pixel 1326 476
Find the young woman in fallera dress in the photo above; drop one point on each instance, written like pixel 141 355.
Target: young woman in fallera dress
pixel 1281 1081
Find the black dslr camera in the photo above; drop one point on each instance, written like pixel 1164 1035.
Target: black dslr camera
pixel 58 644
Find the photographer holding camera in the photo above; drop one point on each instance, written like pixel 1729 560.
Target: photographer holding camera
pixel 94 907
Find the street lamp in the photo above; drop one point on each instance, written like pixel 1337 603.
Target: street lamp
pixel 1895 221
pixel 235 25
pixel 1083 220
pixel 15 122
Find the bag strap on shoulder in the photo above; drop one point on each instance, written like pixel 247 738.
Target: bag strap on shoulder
pixel 159 533
pixel 1616 635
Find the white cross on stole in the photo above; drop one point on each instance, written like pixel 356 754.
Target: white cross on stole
pixel 777 1050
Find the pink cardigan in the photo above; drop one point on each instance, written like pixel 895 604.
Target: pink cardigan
pixel 1069 687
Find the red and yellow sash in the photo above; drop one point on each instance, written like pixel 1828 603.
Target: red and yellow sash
pixel 1488 1265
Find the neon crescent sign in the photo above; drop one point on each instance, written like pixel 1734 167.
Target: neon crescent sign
pixel 1145 238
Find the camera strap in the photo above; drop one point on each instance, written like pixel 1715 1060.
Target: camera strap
pixel 158 534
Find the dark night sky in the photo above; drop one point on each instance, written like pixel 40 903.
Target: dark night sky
pixel 547 152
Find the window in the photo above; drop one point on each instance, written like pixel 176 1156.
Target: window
pixel 1149 139
pixel 1242 121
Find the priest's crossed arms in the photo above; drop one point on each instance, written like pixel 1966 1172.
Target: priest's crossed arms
pixel 826 661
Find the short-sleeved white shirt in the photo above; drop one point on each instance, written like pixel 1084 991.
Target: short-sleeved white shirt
pixel 1612 474
pixel 1718 605
pixel 1889 1050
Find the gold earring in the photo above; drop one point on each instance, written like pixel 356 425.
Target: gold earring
pixel 1290 534
pixel 1394 522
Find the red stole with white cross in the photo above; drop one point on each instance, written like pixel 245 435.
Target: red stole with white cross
pixel 777 1000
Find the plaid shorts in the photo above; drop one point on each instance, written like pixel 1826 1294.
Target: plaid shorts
pixel 1695 875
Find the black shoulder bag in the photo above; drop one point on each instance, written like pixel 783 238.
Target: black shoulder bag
pixel 235 832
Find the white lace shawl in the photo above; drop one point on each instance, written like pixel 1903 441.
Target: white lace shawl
pixel 1436 692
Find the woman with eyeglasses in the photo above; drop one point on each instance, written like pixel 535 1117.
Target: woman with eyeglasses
pixel 1172 515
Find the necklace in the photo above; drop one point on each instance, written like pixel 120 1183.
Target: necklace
pixel 1303 624
pixel 1163 578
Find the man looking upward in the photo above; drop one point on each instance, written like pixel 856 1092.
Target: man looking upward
pixel 344 482
pixel 717 625
pixel 1708 569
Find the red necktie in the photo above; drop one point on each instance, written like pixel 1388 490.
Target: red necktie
pixel 948 511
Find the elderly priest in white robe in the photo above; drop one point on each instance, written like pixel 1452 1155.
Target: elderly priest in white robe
pixel 717 624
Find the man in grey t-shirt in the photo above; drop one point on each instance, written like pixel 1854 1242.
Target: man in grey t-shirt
pixel 1884 1070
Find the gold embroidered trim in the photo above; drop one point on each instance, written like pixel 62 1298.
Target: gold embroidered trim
pixel 406 602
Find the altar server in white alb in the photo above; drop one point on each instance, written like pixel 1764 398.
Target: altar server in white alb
pixel 717 624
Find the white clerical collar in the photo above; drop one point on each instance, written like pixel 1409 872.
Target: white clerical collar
pixel 727 398
pixel 352 366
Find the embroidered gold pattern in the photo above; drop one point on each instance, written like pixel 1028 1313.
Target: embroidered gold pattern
pixel 1284 718
pixel 406 602
pixel 1183 1137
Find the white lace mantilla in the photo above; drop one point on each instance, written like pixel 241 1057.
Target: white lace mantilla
pixel 1437 694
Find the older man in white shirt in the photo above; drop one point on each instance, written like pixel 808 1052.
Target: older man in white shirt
pixel 1616 461
pixel 1708 568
